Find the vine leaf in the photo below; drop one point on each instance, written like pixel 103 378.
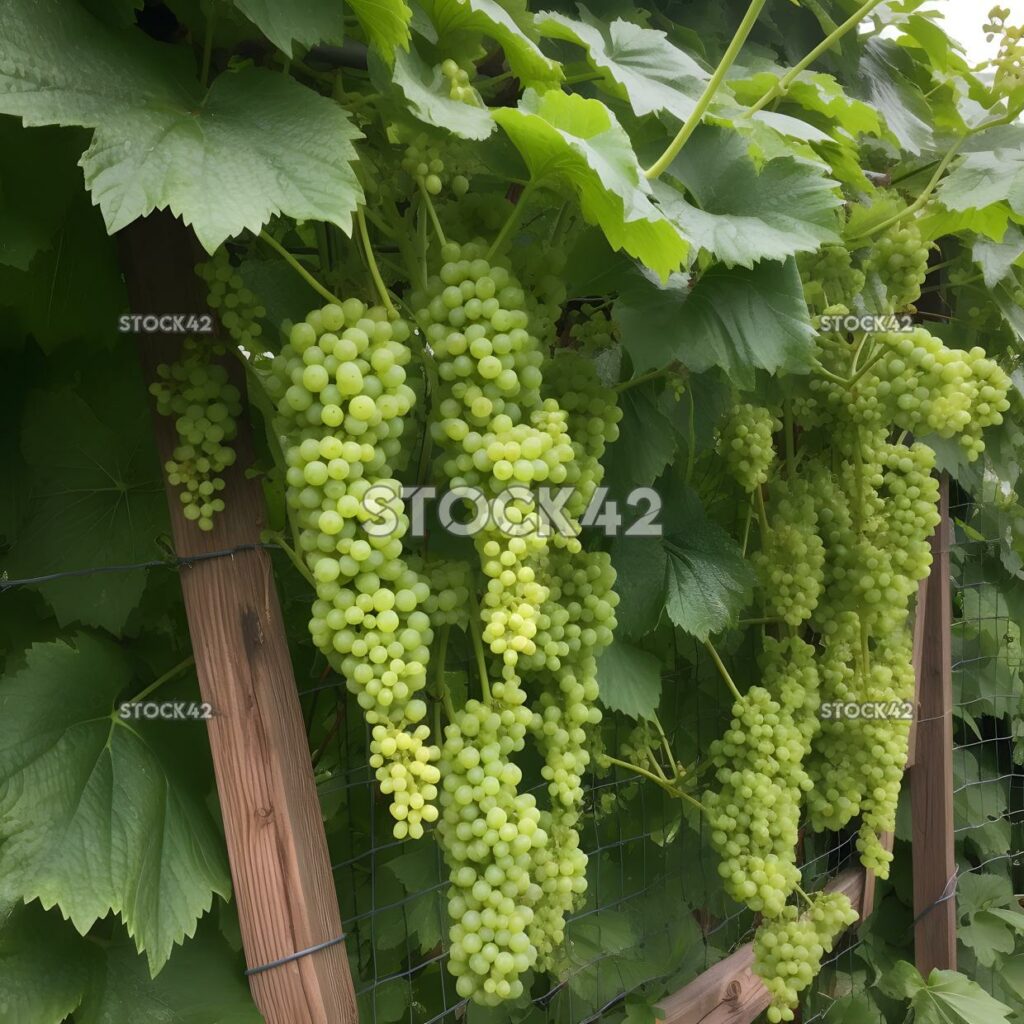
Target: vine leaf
pixel 646 441
pixel 97 501
pixel 306 22
pixel 883 83
pixel 630 680
pixel 426 91
pixel 257 144
pixel 203 983
pixel 638 65
pixel 947 997
pixel 576 145
pixel 738 319
pixel 91 820
pixel 996 259
pixel 508 24
pixel 44 966
pixel 385 22
pixel 744 214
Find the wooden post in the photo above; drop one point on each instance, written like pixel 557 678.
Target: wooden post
pixel 279 859
pixel 932 778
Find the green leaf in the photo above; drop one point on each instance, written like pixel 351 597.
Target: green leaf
pixel 978 891
pixel 996 259
pixel 639 65
pixel 988 936
pixel 306 22
pixel 91 820
pixel 39 177
pixel 938 222
pixel 420 872
pixel 97 499
pixel 386 24
pixel 743 213
pixel 630 680
pixel 203 983
pixel 576 145
pixel 884 84
pixel 640 564
pixel 44 966
pixel 708 581
pixel 946 998
pixel 646 442
pixel 256 145
pixel 507 23
pixel 735 318
pixel 426 91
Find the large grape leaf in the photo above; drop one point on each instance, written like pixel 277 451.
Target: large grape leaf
pixel 306 22
pixel 630 680
pixel 639 65
pixel 203 983
pixel 426 91
pixel 577 145
pixel 947 997
pixel 386 24
pixel 997 258
pixel 44 966
pixel 98 501
pixel 255 145
pixel 459 18
pixel 645 445
pixel 884 84
pixel 742 213
pixel 738 319
pixel 986 176
pixel 91 819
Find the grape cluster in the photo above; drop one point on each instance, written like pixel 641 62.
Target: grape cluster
pixel 196 392
pixel 830 278
pixel 592 329
pixel 450 586
pixel 1009 62
pixel 341 393
pixel 788 949
pixel 424 163
pixel 459 87
pixel 791 563
pixel 745 442
pixel 491 836
pixel 900 258
pixel 237 308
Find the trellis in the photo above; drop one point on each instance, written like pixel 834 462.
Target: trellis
pixel 288 908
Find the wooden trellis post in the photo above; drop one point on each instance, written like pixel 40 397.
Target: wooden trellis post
pixel 931 792
pixel 276 844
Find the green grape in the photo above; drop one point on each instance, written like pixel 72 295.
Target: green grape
pixel 900 258
pixel 237 308
pixel 788 949
pixel 459 87
pixel 1009 62
pixel 205 407
pixel 593 330
pixel 341 393
pixel 829 277
pixel 745 442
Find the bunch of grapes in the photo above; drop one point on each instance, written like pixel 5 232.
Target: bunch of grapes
pixel 237 308
pixel 788 949
pixel 900 259
pixel 424 163
pixel 341 395
pixel 459 87
pixel 830 279
pixel 1009 62
pixel 745 442
pixel 196 392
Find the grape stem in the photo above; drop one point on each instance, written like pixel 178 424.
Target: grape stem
pixel 371 261
pixel 781 86
pixel 666 746
pixel 714 83
pixel 182 665
pixel 644 378
pixel 294 558
pixel 663 783
pixel 511 221
pixel 803 895
pixel 211 21
pixel 746 525
pixel 443 696
pixel 762 515
pixel 478 650
pixel 299 268
pixel 428 204
pixel 722 670
pixel 787 413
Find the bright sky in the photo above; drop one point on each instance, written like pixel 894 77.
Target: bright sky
pixel 963 20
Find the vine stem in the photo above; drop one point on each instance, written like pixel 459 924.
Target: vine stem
pixel 746 525
pixel 478 650
pixel 781 86
pixel 644 378
pixel 663 783
pixel 714 83
pixel 722 670
pixel 211 21
pixel 803 895
pixel 299 268
pixel 666 746
pixel 787 412
pixel 511 221
pixel 293 557
pixel 762 515
pixel 371 260
pixel 431 212
pixel 165 678
pixel 443 693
